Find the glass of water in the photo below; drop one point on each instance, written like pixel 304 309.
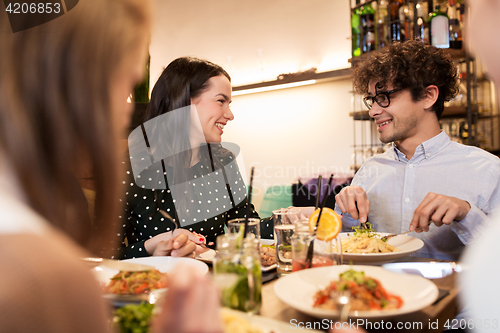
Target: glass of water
pixel 283 220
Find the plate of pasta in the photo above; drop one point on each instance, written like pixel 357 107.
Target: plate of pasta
pixel 122 287
pixel 369 248
pixel 401 293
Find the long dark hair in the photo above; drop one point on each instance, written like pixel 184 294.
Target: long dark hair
pixel 182 80
pixel 55 110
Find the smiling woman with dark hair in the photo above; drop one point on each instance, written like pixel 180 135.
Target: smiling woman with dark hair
pixel 191 183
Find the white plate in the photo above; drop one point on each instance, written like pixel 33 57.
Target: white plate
pixel 405 243
pixel 297 290
pixel 163 264
pixel 267 242
pixel 267 325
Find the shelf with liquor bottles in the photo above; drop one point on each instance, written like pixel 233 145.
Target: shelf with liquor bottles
pixel 473 116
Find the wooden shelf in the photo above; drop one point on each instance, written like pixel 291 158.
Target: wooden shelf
pixel 458 111
pixel 360 115
pixel 449 112
pixel 292 78
pixel 455 54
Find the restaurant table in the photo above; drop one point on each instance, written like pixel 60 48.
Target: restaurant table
pixel 432 318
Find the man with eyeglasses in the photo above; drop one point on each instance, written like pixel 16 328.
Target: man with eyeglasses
pixel 424 178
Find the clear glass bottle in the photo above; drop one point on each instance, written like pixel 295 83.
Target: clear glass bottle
pixel 382 36
pixel 440 29
pixel 368 23
pixel 422 22
pixel 240 272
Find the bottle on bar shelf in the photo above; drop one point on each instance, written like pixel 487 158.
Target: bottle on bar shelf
pixel 356 31
pixel 368 23
pixel 455 29
pixel 382 36
pixel 440 28
pixel 404 19
pixel 422 31
pixel 394 22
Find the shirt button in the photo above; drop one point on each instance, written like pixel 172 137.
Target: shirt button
pixel 410 166
pixel 407 200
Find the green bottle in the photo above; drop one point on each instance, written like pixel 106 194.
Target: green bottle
pixel 356 31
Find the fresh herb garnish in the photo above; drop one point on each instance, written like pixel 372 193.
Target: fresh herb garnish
pixel 133 318
pixel 369 230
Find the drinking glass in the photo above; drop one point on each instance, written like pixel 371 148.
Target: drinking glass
pixel 283 230
pixel 326 253
pixel 237 227
pixel 238 274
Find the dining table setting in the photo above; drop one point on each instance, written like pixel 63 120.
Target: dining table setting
pixel 356 280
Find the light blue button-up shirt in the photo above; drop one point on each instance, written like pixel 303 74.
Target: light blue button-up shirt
pixel 395 186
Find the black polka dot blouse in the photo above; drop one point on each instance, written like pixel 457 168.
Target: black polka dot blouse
pixel 203 202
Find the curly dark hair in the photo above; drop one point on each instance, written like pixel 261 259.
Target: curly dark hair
pixel 411 65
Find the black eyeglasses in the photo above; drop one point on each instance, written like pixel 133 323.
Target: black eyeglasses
pixel 381 98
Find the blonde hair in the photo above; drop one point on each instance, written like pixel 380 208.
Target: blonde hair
pixel 55 88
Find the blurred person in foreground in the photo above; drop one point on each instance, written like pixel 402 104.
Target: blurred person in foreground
pixel 63 91
pixel 424 178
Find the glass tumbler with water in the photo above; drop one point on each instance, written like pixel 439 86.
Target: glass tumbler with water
pixel 283 230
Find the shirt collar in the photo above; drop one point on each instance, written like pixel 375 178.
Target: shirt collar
pixel 426 149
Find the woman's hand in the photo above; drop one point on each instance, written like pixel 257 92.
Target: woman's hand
pixel 191 305
pixel 179 246
pixel 179 243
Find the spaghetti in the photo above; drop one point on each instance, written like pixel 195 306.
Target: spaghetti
pixel 131 283
pixel 366 244
pixel 366 241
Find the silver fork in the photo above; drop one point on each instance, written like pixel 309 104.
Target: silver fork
pixel 404 233
pixel 167 216
pixel 342 300
pixel 394 235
